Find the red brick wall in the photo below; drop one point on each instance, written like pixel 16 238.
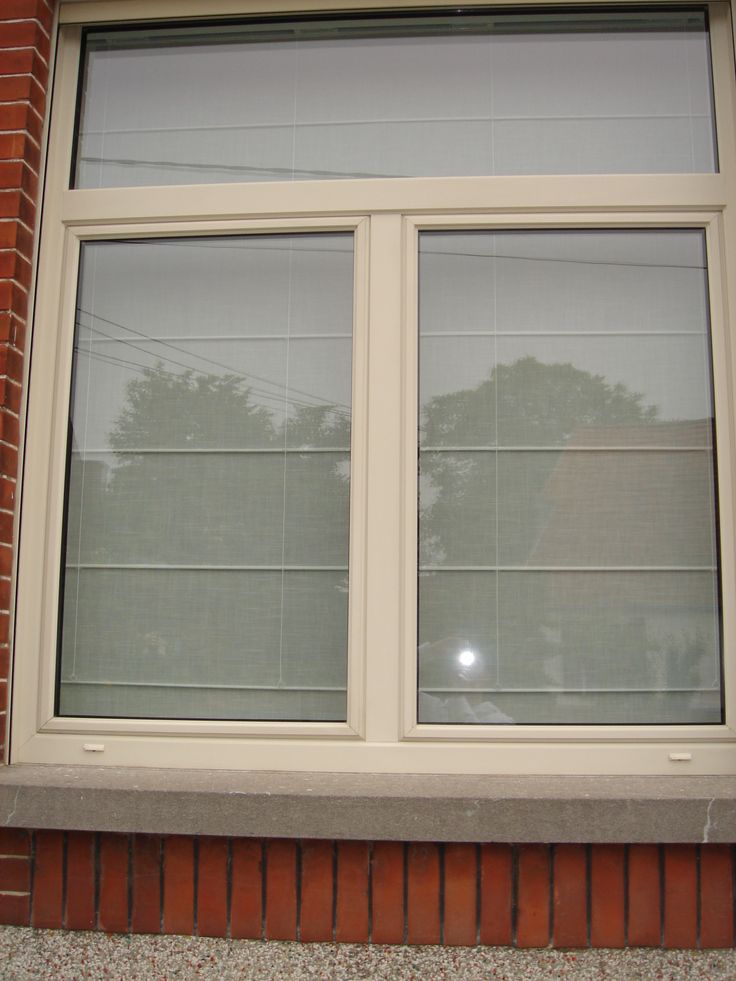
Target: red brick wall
pixel 380 892
pixel 25 27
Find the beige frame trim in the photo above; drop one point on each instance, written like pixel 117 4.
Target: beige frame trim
pixel 381 734
pixel 107 11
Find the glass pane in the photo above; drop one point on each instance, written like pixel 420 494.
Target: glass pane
pixel 416 95
pixel 567 522
pixel 208 494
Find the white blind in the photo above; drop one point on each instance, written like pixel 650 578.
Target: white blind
pixel 480 94
pixel 568 557
pixel 208 499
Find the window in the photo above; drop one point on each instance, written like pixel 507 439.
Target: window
pixel 380 412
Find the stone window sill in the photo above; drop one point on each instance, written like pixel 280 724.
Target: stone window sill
pixel 371 806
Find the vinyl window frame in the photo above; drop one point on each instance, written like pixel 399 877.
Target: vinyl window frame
pixel 381 733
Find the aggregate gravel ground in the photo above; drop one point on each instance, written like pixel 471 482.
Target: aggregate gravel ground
pixel 56 954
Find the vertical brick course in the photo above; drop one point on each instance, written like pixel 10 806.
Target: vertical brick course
pixel 351 906
pixel 387 901
pixel 461 894
pixel 48 885
pixel 80 912
pixel 533 926
pixel 146 905
pixel 716 896
pixel 423 894
pixel 362 892
pixel 680 896
pixel 496 892
pixel 607 899
pixel 246 909
pixel 281 898
pixel 570 894
pixel 113 913
pixel 318 890
pixel 644 896
pixel 178 855
pixel 212 887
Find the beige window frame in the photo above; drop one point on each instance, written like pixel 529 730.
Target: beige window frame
pixel 381 733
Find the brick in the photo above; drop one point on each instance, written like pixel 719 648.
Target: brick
pixel 24 238
pixel 280 890
pixel 11 362
pixel 9 229
pixel 178 899
pixel 4 627
pixel 18 333
pixel 15 874
pixel 6 529
pixel 47 880
pixel 12 146
pixel 8 468
pixel 113 912
pixel 4 664
pixel 351 909
pixel 246 905
pixel 29 185
pixel 644 896
pixel 16 88
pixel 317 893
pixel 79 913
pixel 461 894
pixel 716 896
pixel 496 894
pixel 10 428
pixel 607 926
pixel 15 910
pixel 24 61
pixel 387 910
pixel 23 87
pixel 15 266
pixel 532 925
pixel 17 9
pixel 10 398
pixel 24 33
pixel 15 841
pixel 14 204
pixel 6 557
pixel 423 894
pixel 212 888
pixel 18 61
pixel 30 152
pixel 680 896
pixel 570 918
pixel 6 317
pixel 145 914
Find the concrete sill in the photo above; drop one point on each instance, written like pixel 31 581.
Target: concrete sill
pixel 370 806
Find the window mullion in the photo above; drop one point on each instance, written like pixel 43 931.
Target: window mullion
pixel 383 550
